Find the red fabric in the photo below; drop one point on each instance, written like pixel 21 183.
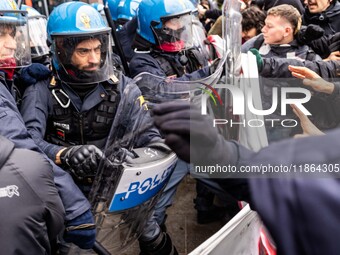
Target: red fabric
pixel 172 47
pixel 29 3
pixel 8 66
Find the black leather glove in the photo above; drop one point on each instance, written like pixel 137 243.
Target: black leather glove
pixel 187 131
pixel 82 159
pixel 81 231
pixel 308 34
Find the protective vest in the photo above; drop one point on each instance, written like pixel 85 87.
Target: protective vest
pixel 180 63
pixel 66 126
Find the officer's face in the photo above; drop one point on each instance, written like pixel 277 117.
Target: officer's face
pixel 277 30
pixel 86 56
pixel 8 44
pixel 316 6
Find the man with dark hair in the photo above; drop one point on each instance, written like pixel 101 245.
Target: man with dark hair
pixel 252 22
pixel 70 115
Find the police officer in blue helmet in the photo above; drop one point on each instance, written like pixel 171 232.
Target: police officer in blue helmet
pixel 70 114
pixel 164 46
pixel 166 24
pixel 164 40
pixel 81 52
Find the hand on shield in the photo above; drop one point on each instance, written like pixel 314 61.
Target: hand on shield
pixel 82 159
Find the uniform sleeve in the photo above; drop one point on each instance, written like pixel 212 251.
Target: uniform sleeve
pixel 12 125
pixel 140 113
pixel 301 214
pixel 35 109
pixel 278 67
pixel 143 62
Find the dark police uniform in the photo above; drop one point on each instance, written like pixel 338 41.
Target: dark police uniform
pixel 55 112
pixel 175 65
pixel 13 127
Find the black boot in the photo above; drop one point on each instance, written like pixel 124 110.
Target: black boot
pixel 161 245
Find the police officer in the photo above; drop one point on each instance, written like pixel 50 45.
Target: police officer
pixel 301 214
pixel 164 46
pixel 163 43
pixel 14 52
pixel 70 115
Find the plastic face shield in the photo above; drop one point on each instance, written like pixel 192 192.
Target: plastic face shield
pixel 64 48
pixel 176 33
pixel 38 36
pixel 14 39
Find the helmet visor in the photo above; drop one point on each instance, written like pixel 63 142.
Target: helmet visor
pixel 175 33
pixel 83 59
pixel 38 36
pixel 14 40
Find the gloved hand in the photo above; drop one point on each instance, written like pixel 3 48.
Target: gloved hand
pixel 35 72
pixel 259 59
pixel 81 231
pixel 186 130
pixel 308 34
pixel 82 159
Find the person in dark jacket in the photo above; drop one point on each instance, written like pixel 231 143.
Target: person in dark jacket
pixel 301 213
pixel 325 13
pixel 70 115
pixel 295 3
pixel 279 40
pixel 166 49
pixel 32 214
pixel 12 56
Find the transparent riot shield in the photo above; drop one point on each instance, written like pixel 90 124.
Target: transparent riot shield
pixel 129 180
pixel 240 88
pixel 199 36
pixel 157 89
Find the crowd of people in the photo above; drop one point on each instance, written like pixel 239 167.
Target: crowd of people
pixel 63 80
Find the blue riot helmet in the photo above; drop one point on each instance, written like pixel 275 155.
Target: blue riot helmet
pixel 113 7
pixel 14 38
pixel 100 8
pixel 38 37
pixel 166 24
pixel 80 44
pixel 127 9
